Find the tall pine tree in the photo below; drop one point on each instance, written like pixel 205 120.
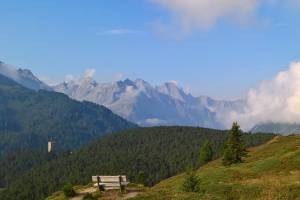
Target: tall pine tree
pixel 234 148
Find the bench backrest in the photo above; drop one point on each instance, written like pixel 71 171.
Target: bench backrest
pixel 110 179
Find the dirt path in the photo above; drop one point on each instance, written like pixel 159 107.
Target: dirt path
pixel 77 197
pixel 129 195
pixel 81 193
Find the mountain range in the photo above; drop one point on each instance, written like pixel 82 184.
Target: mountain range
pixel 137 101
pixel 148 105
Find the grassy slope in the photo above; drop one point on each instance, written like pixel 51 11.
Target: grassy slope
pixel 271 171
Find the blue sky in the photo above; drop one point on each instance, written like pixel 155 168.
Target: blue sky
pixel 154 40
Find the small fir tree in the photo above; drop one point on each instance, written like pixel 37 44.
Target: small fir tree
pixel 191 182
pixel 141 178
pixel 234 148
pixel 206 153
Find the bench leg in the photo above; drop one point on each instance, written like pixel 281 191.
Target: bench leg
pixel 101 187
pixel 123 188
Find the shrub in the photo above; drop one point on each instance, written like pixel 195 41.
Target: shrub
pixel 69 190
pixel 191 182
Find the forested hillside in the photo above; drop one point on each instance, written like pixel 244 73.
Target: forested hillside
pixel 154 153
pixel 15 164
pixel 28 119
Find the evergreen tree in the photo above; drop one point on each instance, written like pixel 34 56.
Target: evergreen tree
pixel 191 182
pixel 206 153
pixel 234 148
pixel 141 178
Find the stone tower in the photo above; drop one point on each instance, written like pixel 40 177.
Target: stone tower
pixel 50 146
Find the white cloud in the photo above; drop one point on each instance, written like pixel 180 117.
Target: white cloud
pixel 69 77
pixel 187 89
pixel 203 14
pixel 174 82
pixel 89 73
pixel 276 100
pixel 119 76
pixel 48 81
pixel 154 121
pixel 119 31
pixel 190 15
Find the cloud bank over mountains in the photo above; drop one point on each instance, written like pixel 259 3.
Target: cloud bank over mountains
pixel 23 76
pixel 276 100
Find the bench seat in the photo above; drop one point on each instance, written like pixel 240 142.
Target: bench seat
pixel 110 182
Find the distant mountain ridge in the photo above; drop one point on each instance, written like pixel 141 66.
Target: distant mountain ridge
pixel 23 76
pixel 278 128
pixel 148 105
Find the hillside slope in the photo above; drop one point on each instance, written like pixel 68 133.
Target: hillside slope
pixel 271 171
pixel 158 152
pixel 28 119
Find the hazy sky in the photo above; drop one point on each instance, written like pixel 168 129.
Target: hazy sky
pixel 214 47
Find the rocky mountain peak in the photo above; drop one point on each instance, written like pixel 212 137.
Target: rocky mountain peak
pixel 23 76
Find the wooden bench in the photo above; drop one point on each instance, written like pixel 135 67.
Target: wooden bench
pixel 110 182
